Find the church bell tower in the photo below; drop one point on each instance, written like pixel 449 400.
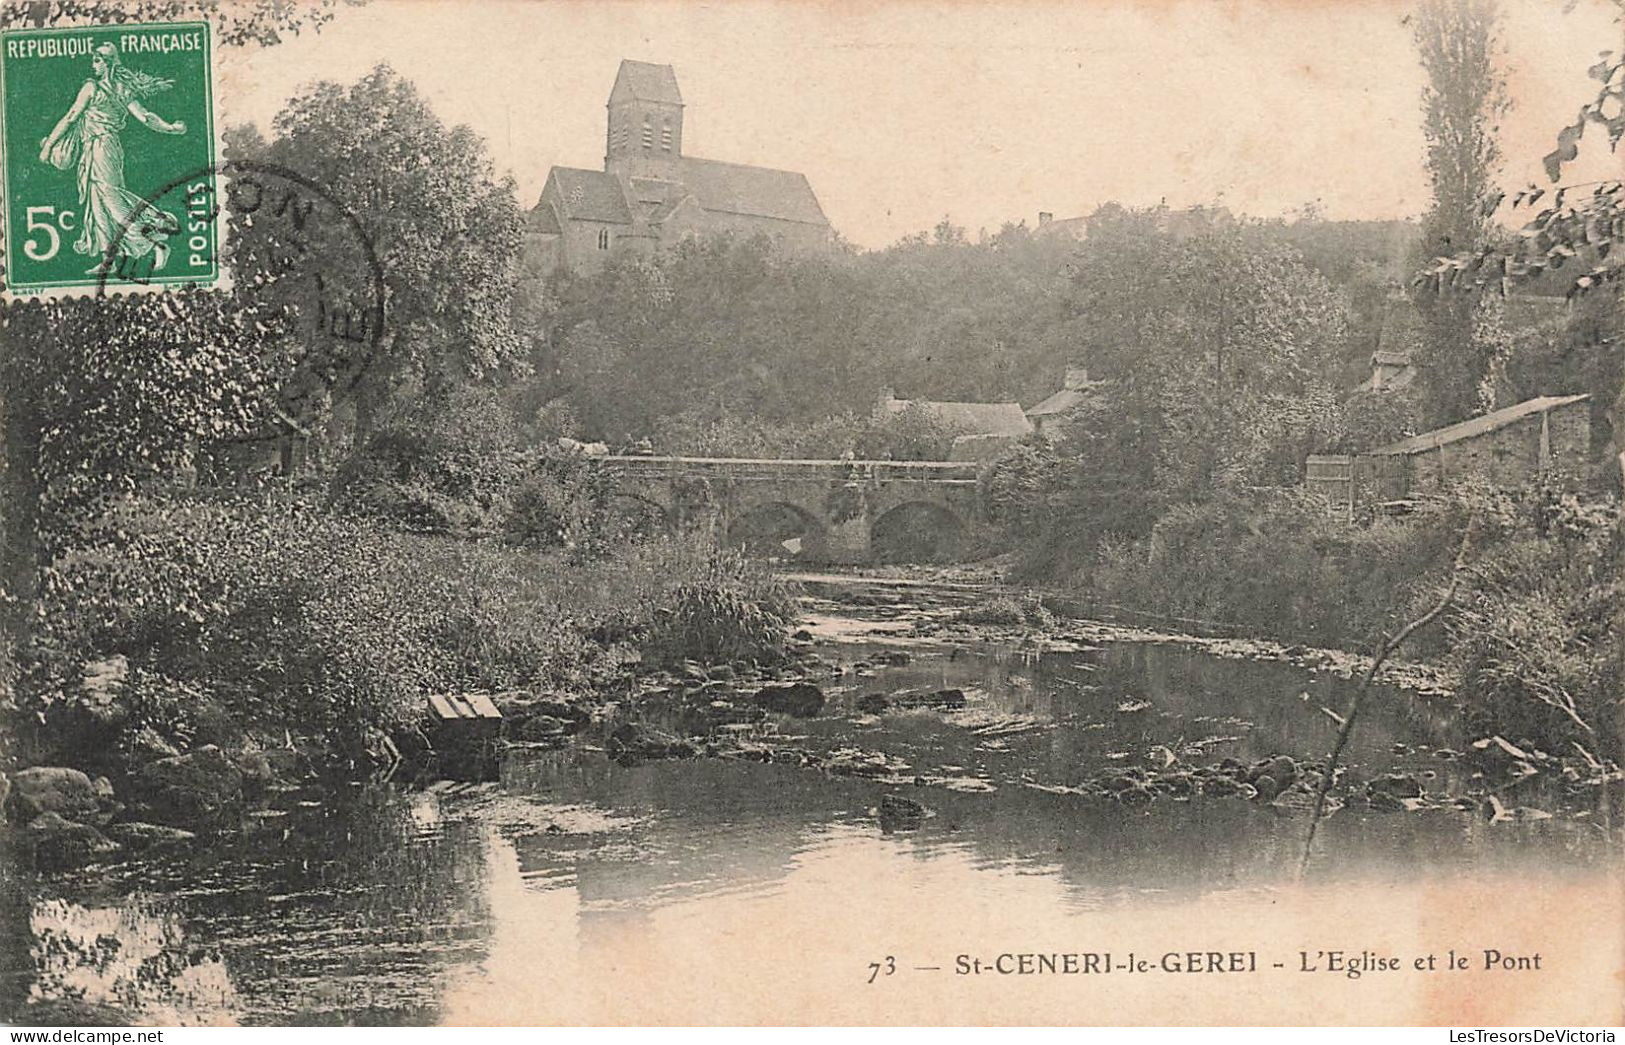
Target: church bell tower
pixel 645 132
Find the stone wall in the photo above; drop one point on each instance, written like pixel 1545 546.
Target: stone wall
pixel 1555 442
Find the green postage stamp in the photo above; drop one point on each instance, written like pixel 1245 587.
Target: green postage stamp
pixel 109 157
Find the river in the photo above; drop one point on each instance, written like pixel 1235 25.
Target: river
pixel 713 890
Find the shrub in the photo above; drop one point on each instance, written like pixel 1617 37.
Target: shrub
pixel 1537 630
pixel 300 620
pixel 1008 611
pixel 448 466
pixel 1272 563
pixel 286 617
pixel 685 598
pixel 567 501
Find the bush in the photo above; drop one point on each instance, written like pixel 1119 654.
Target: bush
pixel 1537 629
pixel 565 501
pixel 684 598
pixel 286 617
pixel 448 466
pixel 1273 564
pixel 1008 611
pixel 296 619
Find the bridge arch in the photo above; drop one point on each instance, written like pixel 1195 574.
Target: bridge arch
pixel 641 512
pixel 916 531
pixel 775 529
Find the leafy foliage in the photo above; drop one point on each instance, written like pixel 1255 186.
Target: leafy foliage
pixel 253 21
pixel 291 618
pixel 1277 566
pixel 1218 348
pixel 445 229
pixel 1537 632
pixel 1578 225
pixel 710 605
pixel 1462 340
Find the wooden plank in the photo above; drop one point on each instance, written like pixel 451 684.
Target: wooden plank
pixel 482 705
pixel 442 709
pixel 460 705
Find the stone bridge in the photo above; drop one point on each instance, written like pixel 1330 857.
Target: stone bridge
pixel 818 511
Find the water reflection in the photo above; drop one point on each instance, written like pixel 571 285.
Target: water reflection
pixel 576 889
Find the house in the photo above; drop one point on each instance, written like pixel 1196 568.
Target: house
pixel 1070 228
pixel 1049 417
pixel 1548 435
pixel 981 431
pixel 650 194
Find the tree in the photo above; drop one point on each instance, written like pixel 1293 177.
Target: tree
pixel 446 231
pixel 1462 345
pixel 1578 227
pixel 1218 342
pixel 69 396
pixel 254 21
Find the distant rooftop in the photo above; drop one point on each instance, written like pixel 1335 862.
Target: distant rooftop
pixel 1003 419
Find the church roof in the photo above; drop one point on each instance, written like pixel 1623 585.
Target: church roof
pixel 591 195
pixel 760 192
pixel 647 82
pixel 545 219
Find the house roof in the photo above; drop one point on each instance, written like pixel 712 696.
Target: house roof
pixel 591 195
pixel 1476 426
pixel 1403 379
pixel 762 192
pixel 1004 419
pixel 1059 403
pixel 1077 228
pixel 647 82
pixel 1066 400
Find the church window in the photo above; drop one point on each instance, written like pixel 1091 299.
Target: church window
pixel 648 134
pixel 665 136
pixel 603 239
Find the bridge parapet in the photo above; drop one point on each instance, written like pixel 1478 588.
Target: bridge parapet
pixel 792 468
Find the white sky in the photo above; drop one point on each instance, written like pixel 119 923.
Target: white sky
pixel 903 112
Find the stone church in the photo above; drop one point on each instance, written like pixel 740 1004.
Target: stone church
pixel 649 194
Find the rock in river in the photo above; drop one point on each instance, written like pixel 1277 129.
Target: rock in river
pixel 799 699
pixel 874 703
pixel 134 834
pixel 58 842
pixel 947 699
pixel 632 741
pixel 899 812
pixel 52 789
pixel 1395 785
pixel 188 790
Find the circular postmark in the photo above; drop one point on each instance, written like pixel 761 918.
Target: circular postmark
pixel 297 256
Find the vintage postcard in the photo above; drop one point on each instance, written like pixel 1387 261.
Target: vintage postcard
pixel 560 512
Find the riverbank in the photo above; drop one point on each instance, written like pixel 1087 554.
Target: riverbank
pixel 680 652
pixel 881 775
pixel 200 651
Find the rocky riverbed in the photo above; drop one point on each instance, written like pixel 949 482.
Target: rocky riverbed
pixel 236 884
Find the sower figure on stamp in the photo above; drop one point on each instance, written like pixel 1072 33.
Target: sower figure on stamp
pixel 88 135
